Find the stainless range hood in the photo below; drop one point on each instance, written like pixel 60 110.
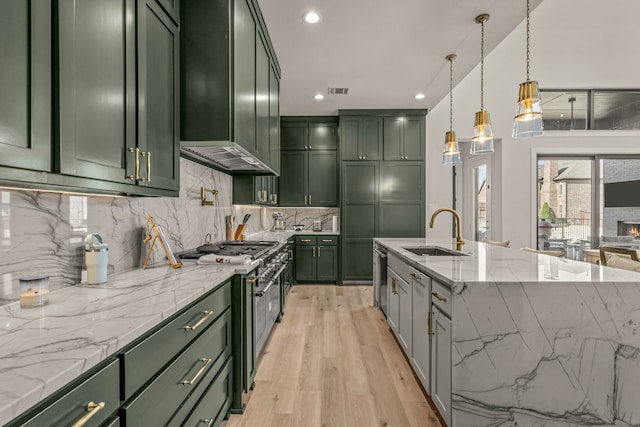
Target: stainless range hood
pixel 223 155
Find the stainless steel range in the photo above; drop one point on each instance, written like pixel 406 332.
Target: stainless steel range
pixel 267 290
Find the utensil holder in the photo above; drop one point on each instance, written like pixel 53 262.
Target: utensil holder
pixel 240 232
pixel 230 234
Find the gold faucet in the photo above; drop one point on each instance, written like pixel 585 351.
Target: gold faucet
pixel 459 241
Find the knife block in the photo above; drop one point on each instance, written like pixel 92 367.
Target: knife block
pixel 240 232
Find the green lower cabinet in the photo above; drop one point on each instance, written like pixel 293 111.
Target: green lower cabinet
pixel 357 259
pixel 327 263
pixel 214 404
pixel 317 259
pixel 305 263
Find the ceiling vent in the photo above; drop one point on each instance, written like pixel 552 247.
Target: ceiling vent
pixel 338 91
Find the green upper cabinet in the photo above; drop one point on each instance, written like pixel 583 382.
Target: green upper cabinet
pixel 404 138
pixel 323 136
pixel 361 138
pixel 295 136
pixel 309 174
pixel 263 122
pixel 274 119
pixel 172 7
pixel 25 104
pixel 158 97
pixel 96 80
pixel 230 85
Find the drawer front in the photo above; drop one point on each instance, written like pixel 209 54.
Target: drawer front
pixel 327 240
pixel 306 240
pixel 115 422
pixel 214 404
pixel 160 402
pixel 143 361
pixel 400 267
pixel 441 296
pixel 100 388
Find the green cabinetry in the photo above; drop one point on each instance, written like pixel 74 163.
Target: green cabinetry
pixel 361 138
pixel 25 104
pixel 309 168
pixel 379 197
pixel 316 259
pixel 230 86
pixel 258 190
pixel 114 97
pixel 404 137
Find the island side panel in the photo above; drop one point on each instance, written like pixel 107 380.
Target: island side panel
pixel 546 353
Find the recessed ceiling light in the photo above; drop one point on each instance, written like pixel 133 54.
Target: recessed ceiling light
pixel 311 17
pixel 420 96
pixel 318 97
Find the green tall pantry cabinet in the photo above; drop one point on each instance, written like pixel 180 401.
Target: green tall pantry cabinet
pixel 382 182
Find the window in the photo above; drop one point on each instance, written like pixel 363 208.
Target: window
pixel 597 202
pixel 593 109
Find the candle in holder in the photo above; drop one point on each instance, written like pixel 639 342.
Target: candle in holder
pixel 34 291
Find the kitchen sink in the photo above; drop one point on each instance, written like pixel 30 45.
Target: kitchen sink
pixel 434 251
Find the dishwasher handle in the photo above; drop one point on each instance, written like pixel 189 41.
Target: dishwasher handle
pixel 381 254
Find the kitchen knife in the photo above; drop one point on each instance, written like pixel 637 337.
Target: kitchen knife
pixel 246 218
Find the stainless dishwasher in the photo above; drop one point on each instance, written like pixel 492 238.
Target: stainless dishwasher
pixel 380 278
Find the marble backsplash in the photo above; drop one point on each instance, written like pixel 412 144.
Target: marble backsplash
pixel 43 233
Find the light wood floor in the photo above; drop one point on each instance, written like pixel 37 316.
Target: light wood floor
pixel 332 361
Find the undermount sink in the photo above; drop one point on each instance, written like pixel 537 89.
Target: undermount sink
pixel 434 251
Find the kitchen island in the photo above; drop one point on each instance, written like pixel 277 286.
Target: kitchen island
pixel 534 340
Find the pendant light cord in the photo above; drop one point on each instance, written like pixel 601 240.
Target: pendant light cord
pixel 450 94
pixel 528 38
pixel 482 65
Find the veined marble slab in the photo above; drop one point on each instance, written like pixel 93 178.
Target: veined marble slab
pixel 42 349
pixel 537 340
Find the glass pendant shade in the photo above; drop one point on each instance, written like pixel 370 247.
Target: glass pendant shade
pixel 528 120
pixel 451 152
pixel 482 141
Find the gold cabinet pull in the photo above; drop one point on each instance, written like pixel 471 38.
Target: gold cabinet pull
pixel 253 279
pixel 313 251
pixel 440 297
pixel 318 250
pixel 305 240
pixel 429 329
pixel 327 240
pixel 208 422
pixel 206 314
pixel 305 199
pixel 147 154
pixel 137 171
pixel 415 276
pixel 309 198
pixel 92 408
pixel 207 362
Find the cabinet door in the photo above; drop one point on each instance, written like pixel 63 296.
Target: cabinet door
pixel 305 263
pixel 293 178
pixel 272 190
pixel 414 138
pixel 402 200
pixel 295 136
pixel 158 97
pixel 350 129
pixel 393 315
pixel 441 363
pixel 420 358
pixel 323 136
pixel 323 178
pixel 25 87
pixel 371 138
pixel 263 68
pixel 274 120
pixel 244 75
pixel 405 320
pixel 357 259
pixel 393 128
pixel 327 263
pixel 172 7
pixel 97 122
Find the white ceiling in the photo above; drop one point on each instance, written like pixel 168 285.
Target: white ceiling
pixel 384 51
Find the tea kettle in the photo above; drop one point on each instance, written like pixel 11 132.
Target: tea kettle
pixel 278 221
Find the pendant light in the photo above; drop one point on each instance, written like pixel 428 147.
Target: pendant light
pixel 482 141
pixel 451 152
pixel 528 119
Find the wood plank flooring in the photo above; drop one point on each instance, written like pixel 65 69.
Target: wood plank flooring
pixel 332 361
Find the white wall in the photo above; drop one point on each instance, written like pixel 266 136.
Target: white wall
pixel 575 44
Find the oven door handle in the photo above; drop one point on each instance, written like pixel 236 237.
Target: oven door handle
pixel 264 291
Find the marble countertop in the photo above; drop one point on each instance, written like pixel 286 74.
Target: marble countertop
pixel 42 349
pixel 490 263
